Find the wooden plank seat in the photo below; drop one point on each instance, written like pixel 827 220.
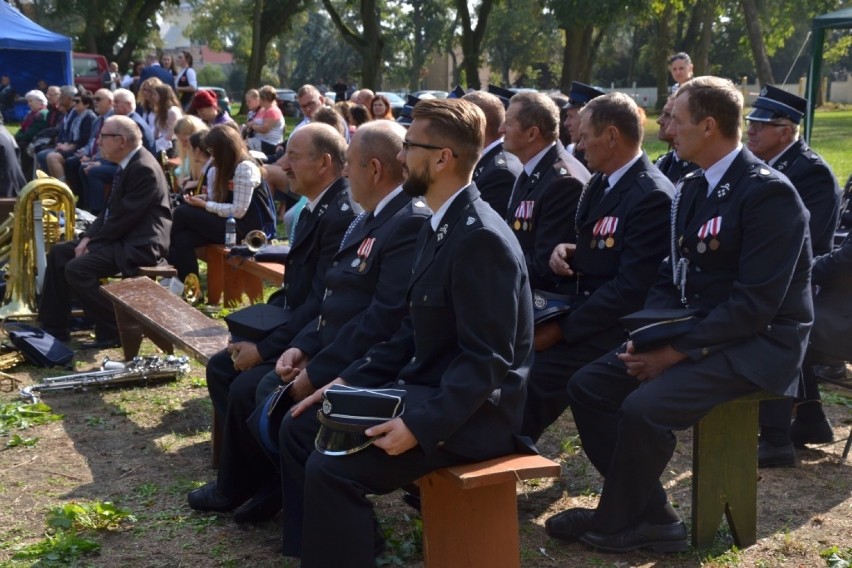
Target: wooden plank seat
pixel 144 308
pixel 232 277
pixel 470 512
pixel 724 471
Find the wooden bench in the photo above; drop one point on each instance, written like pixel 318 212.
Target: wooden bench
pixel 235 276
pixel 144 308
pixel 724 472
pixel 470 512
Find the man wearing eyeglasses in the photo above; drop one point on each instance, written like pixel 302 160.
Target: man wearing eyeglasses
pixel 462 355
pixel 132 231
pixel 76 166
pixel 773 136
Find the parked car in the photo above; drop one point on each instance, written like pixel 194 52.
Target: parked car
pixel 90 70
pixel 286 99
pixel 221 97
pixel 396 102
pixel 435 94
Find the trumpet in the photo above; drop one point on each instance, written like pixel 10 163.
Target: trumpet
pixel 255 240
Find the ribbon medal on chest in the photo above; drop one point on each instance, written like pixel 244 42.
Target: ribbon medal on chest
pixel 363 253
pixel 710 228
pixel 603 233
pixel 523 215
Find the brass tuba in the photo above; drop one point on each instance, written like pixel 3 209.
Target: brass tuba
pixel 50 200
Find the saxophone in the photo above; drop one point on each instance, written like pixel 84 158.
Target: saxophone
pixel 140 370
pixel 43 205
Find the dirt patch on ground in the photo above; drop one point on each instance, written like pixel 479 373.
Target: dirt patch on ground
pixel 144 448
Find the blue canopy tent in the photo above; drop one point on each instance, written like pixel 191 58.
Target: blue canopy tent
pixel 28 52
pixel 833 20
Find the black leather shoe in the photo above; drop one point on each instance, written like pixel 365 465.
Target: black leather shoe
pixel 101 343
pixel 569 525
pixel 659 538
pixel 803 433
pixel 775 456
pixel 263 506
pixel 831 372
pixel 208 498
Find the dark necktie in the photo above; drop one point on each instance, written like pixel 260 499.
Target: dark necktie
pixel 700 199
pixel 301 222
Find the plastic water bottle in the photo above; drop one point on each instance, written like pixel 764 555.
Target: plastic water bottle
pixel 231 232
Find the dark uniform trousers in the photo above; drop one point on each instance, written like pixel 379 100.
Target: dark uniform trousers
pixel 542 209
pixel 495 175
pixel 610 281
pixel 363 305
pixel 816 185
pixel 752 286
pixel 314 245
pixel 450 373
pixel 133 231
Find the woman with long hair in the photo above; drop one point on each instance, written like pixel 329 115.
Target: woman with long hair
pixel 167 62
pixel 145 101
pixel 186 82
pixel 380 107
pixel 185 127
pixel 235 190
pixel 167 109
pixel 202 162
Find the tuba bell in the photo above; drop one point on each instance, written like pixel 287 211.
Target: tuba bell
pixel 255 240
pixel 45 213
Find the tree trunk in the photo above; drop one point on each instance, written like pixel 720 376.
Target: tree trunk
pixel 662 47
pixel 471 40
pixel 755 39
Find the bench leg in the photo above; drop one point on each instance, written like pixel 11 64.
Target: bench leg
pixel 724 474
pixel 467 528
pixel 253 287
pixel 129 331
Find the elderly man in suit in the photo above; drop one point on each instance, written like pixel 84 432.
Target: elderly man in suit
pixel 314 164
pixel 364 301
pixel 132 231
pixel 740 256
pixel 544 200
pixel 622 230
pixel 461 354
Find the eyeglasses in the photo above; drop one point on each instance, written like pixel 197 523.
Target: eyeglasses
pixel 760 125
pixel 406 146
pixel 98 99
pixel 108 134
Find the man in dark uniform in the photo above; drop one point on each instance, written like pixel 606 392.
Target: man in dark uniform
pixel 773 136
pixel 364 301
pixel 461 355
pixel 578 97
pixel 314 164
pixel 544 200
pixel 672 166
pixel 497 170
pixel 132 231
pixel 622 230
pixel 740 257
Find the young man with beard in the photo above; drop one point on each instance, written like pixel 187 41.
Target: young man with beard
pixel 364 301
pixel 461 355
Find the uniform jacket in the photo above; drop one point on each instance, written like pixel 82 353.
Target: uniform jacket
pixel 11 177
pixel 818 188
pixel 464 350
pixel 614 270
pixel 365 289
pixel 832 279
pixel 313 247
pixel 672 168
pixel 495 176
pixel 541 213
pixel 754 287
pixel 137 220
